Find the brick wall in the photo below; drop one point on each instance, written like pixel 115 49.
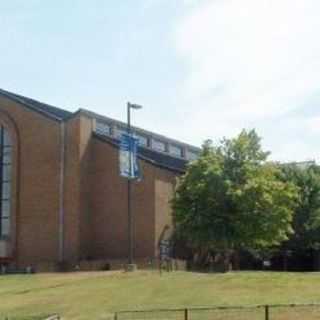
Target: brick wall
pixel 78 219
pixel 37 197
pixel 72 191
pixel 164 188
pixel 109 206
pixel 150 206
pixel 95 196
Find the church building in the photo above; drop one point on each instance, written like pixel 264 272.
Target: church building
pixel 63 201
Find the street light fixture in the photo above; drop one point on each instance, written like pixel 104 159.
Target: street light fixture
pixel 129 107
pixel 130 216
pixel 134 106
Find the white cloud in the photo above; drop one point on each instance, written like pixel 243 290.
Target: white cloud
pixel 248 62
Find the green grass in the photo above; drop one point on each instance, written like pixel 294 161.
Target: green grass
pixel 98 295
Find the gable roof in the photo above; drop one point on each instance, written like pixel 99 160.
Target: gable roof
pixel 157 158
pixel 43 108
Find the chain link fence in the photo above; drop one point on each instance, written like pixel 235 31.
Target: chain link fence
pixel 260 312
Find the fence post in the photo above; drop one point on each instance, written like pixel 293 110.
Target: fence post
pixel 186 314
pixel 116 316
pixel 266 312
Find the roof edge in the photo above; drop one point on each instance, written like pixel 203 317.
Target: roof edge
pixel 142 131
pixel 151 161
pixel 16 98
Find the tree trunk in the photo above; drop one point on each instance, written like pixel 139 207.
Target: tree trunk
pixel 285 260
pixel 316 260
pixel 222 262
pixel 236 260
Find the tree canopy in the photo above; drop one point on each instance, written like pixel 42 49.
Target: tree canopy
pixel 232 198
pixel 306 218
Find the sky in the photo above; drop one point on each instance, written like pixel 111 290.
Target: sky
pixel 202 69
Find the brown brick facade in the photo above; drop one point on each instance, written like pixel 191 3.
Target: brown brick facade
pixel 89 206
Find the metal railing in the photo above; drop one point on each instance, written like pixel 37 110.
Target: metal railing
pixel 257 312
pixel 38 317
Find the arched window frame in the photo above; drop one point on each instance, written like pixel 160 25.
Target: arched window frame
pixel 6 155
pixel 10 241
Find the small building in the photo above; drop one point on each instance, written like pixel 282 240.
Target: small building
pixel 62 199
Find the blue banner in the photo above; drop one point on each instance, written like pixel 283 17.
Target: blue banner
pixel 128 156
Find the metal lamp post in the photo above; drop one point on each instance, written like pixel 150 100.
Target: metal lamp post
pixel 130 216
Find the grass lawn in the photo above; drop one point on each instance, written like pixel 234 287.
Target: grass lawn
pixel 97 295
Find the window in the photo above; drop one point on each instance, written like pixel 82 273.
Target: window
pixel 119 132
pixel 175 150
pixel 191 155
pixel 158 145
pixel 143 141
pixel 103 128
pixel 5 181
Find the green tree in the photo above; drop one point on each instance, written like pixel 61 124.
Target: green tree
pixel 231 198
pixel 306 218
